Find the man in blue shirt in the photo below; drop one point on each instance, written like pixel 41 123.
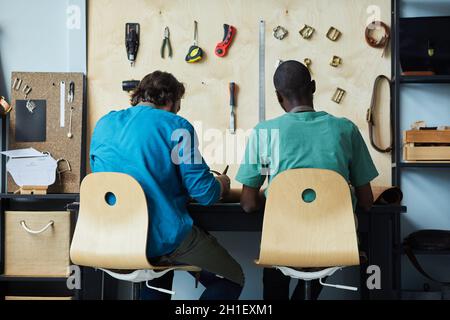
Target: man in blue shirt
pixel 160 150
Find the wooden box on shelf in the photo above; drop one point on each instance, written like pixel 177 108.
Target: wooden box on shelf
pixel 17 298
pixel 427 145
pixel 37 244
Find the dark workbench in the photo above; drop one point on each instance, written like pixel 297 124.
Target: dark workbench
pixel 379 235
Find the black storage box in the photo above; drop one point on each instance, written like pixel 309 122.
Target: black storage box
pixel 425 44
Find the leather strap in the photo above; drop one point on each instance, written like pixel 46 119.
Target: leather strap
pixel 411 256
pixel 371 111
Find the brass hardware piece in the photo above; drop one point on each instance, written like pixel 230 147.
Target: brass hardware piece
pixel 333 34
pixel 66 168
pixel 431 50
pixel 30 105
pixel 336 61
pixel 27 90
pixel 280 33
pixel 338 95
pixel 17 84
pixel 307 32
pixel 308 63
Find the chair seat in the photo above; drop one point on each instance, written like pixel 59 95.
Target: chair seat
pixel 147 274
pixel 308 276
pixel 315 275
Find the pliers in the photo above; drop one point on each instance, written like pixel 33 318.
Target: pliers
pixel 166 43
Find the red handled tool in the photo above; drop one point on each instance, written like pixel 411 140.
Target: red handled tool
pixel 229 33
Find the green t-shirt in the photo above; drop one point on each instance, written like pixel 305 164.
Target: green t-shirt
pixel 306 140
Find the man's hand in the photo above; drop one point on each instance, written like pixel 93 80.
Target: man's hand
pixel 225 184
pixel 365 197
pixel 252 199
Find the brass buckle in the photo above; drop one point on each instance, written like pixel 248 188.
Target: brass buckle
pixel 333 34
pixel 68 167
pixel 336 61
pixel 338 95
pixel 307 32
pixel 369 116
pixel 280 33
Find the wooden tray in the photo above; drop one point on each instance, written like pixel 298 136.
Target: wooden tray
pixel 427 136
pixel 415 148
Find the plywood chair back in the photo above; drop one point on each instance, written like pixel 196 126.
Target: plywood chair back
pixel 111 236
pixel 309 235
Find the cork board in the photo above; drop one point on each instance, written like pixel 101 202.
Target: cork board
pixel 207 98
pixel 46 88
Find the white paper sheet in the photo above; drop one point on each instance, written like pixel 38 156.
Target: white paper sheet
pixel 23 153
pixel 29 167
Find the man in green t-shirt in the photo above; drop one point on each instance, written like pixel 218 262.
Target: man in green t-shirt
pixel 302 138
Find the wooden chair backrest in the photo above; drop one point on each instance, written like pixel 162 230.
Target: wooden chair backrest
pixel 111 236
pixel 309 235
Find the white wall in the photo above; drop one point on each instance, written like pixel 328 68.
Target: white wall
pixel 34 36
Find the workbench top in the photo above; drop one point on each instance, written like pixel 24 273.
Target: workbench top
pixel 218 217
pixel 231 216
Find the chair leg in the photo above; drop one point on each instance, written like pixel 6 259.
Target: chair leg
pixel 308 290
pixel 136 294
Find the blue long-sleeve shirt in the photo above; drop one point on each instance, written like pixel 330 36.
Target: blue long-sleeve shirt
pixel 159 149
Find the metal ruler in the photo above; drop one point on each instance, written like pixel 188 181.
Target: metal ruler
pixel 262 71
pixel 62 104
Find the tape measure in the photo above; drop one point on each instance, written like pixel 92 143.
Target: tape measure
pixel 195 53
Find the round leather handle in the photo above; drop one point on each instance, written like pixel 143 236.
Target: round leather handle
pixel 381 43
pixel 5 106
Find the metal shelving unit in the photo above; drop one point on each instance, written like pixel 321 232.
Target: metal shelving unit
pixel 31 279
pixel 425 79
pixel 422 165
pixel 32 286
pixel 398 165
pixel 428 253
pixel 68 196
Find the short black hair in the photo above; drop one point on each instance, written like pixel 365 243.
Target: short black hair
pixel 292 79
pixel 158 88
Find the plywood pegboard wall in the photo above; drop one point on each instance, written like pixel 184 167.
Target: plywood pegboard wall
pixel 46 86
pixel 207 96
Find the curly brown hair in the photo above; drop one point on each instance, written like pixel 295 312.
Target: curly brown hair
pixel 158 88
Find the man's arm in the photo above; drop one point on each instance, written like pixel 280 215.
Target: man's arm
pixel 365 196
pixel 200 183
pixel 252 199
pixel 250 176
pixel 362 170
